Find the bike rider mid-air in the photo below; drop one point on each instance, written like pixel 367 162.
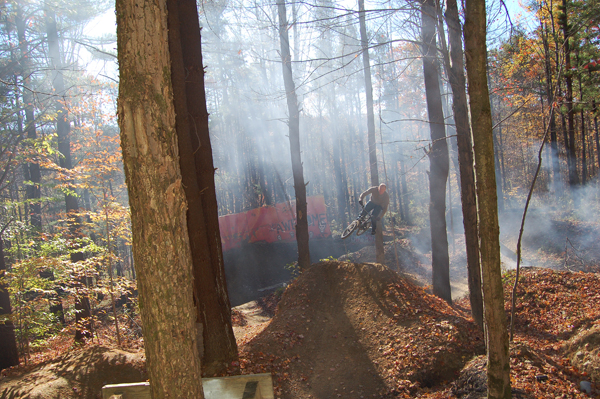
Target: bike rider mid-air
pixel 378 204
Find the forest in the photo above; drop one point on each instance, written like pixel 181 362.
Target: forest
pixel 303 100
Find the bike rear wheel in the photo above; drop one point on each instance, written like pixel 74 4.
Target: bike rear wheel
pixel 363 227
pixel 348 230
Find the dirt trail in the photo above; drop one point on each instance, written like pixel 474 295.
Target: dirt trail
pixel 254 317
pixel 350 330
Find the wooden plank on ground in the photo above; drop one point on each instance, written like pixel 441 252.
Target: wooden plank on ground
pixel 138 390
pixel 252 386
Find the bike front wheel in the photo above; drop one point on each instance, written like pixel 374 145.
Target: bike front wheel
pixel 348 230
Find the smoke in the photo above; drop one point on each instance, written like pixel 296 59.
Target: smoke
pixel 249 131
pixel 247 103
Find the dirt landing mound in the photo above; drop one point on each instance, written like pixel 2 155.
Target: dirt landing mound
pixel 364 327
pixel 79 374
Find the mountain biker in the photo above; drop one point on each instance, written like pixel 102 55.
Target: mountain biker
pixel 379 202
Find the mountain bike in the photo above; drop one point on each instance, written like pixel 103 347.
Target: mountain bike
pixel 362 224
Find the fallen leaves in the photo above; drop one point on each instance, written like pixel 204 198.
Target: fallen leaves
pixel 402 340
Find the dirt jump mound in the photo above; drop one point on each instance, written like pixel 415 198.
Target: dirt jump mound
pixel 78 374
pixel 354 330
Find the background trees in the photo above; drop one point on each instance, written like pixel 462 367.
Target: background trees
pixel 43 46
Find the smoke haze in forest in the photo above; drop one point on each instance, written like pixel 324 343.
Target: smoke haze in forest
pixel 248 113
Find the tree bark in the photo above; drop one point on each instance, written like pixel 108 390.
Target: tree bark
pixel 498 370
pixel 218 348
pixel 405 191
pixel 438 156
pixel 339 182
pixel 584 167
pixel 294 135
pixel 596 135
pixel 364 41
pixel 9 355
pixel 157 199
pixel 465 155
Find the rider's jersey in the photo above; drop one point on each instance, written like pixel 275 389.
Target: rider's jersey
pixel 383 200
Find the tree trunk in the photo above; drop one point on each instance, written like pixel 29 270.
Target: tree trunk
pixel 32 168
pixel 572 153
pixel 364 41
pixel 556 179
pixel 438 156
pixel 584 168
pixel 63 130
pixel 218 348
pixel 339 182
pixel 160 238
pixel 596 134
pixel 498 370
pixel 9 355
pixel 465 156
pixel 499 170
pixel 405 191
pixel 397 191
pixel 294 135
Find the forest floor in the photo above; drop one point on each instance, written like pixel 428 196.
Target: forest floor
pixel 349 328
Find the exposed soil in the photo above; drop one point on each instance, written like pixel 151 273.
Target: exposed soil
pixel 353 330
pixel 77 374
pixel 339 333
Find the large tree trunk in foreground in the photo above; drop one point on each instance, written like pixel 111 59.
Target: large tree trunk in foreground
pixel 157 199
pixel 217 347
pixel 438 157
pixel 9 355
pixel 456 76
pixel 294 125
pixel 481 122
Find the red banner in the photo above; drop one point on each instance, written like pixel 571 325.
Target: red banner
pixel 272 224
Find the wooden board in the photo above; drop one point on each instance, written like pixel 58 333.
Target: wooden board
pixel 253 386
pixel 138 390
